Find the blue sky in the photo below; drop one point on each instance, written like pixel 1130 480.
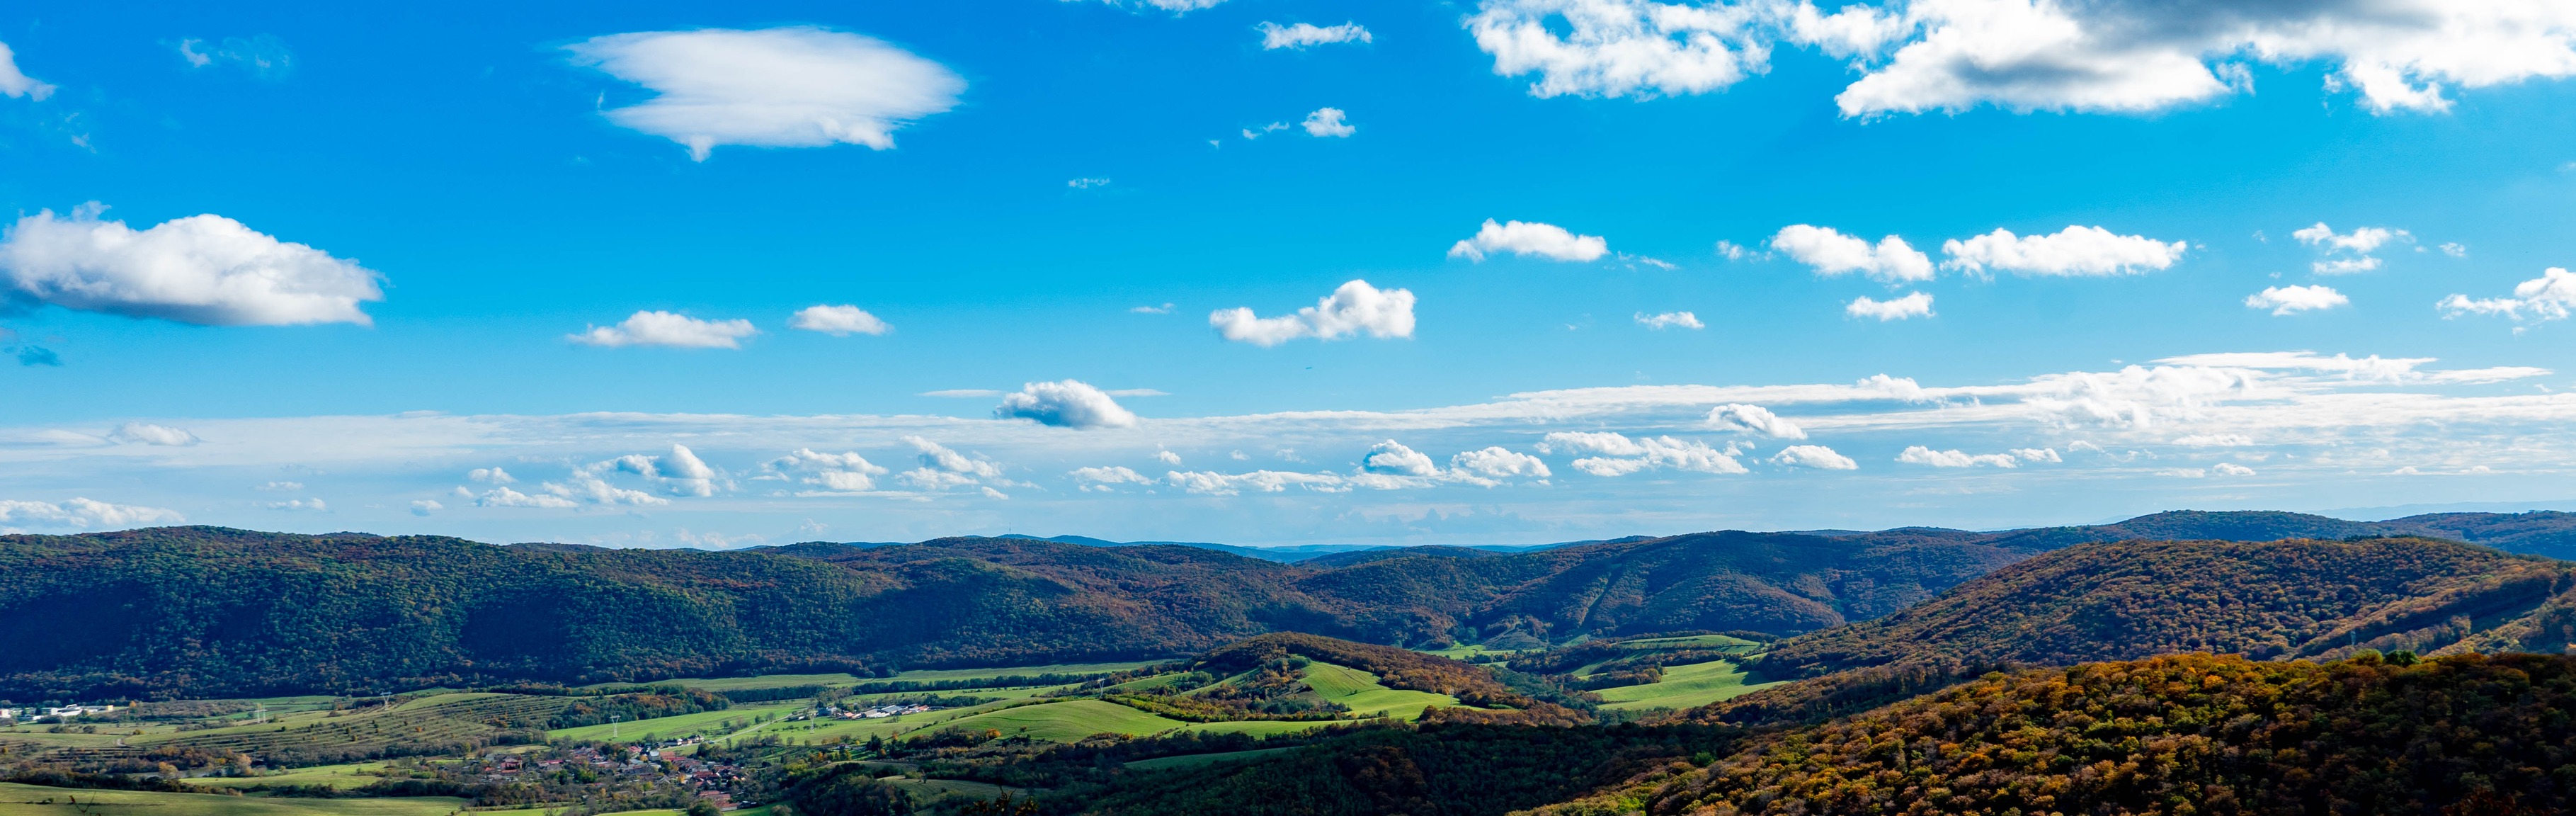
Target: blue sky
pixel 430 233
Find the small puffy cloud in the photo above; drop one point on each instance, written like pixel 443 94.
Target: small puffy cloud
pixel 1065 404
pixel 145 433
pixel 2359 241
pixel 425 507
pixel 17 84
pixel 1832 254
pixel 1302 35
pixel 1611 454
pixel 2283 300
pixel 1529 238
pixel 2343 266
pixel 1264 130
pixel 2455 250
pixel 1328 122
pixel 313 505
pixel 1211 483
pixel 833 472
pixel 838 321
pixel 1623 47
pixel 1163 309
pixel 281 487
pixel 776 87
pixel 1913 304
pixel 2037 455
pixel 942 468
pixel 506 497
pixel 2215 441
pixel 1669 320
pixel 491 475
pixel 1354 308
pixel 2231 469
pixel 1813 456
pixel 688 474
pixel 1086 183
pixel 2547 297
pixel 1167 457
pixel 1173 6
pixel 1920 455
pixel 265 56
pixel 82 514
pixel 655 328
pixel 1105 479
pixel 203 269
pixel 1492 465
pixel 2073 252
pixel 1394 459
pixel 1736 416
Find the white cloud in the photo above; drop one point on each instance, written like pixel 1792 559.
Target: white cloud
pixel 833 472
pixel 1301 35
pixel 2184 473
pixel 2284 300
pixel 2037 455
pixel 263 56
pixel 656 328
pixel 1668 320
pixel 1612 454
pixel 838 321
pixel 1622 47
pixel 1211 483
pixel 776 87
pixel 1736 416
pixel 688 474
pixel 2214 441
pixel 2076 251
pixel 1920 455
pixel 2543 298
pixel 1353 308
pixel 1529 238
pixel 17 84
pixel 1833 254
pixel 2135 55
pixel 1394 459
pixel 2359 241
pixel 1174 6
pixel 1328 122
pixel 1086 183
pixel 1813 456
pixel 505 497
pixel 1163 309
pixel 82 514
pixel 423 507
pixel 282 487
pixel 202 269
pixel 2455 250
pixel 1250 133
pixel 149 434
pixel 942 468
pixel 2343 266
pixel 492 475
pixel 314 505
pixel 2231 469
pixel 1167 457
pixel 1065 404
pixel 1491 465
pixel 1104 479
pixel 1913 304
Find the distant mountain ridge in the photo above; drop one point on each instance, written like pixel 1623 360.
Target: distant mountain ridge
pixel 209 611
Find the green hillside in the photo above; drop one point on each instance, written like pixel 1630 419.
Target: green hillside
pixel 31 800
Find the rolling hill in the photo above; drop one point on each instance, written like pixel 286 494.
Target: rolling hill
pixel 2127 600
pixel 198 611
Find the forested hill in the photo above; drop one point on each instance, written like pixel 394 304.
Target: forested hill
pixel 208 611
pixel 2184 734
pixel 2135 599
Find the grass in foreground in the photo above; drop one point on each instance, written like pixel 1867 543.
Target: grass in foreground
pixel 30 800
pixel 354 775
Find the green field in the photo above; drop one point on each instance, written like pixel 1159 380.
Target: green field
pixel 1068 721
pixel 1689 642
pixel 765 681
pixel 1684 686
pixel 29 800
pixel 709 723
pixel 355 775
pixel 1366 697
pixel 1195 760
